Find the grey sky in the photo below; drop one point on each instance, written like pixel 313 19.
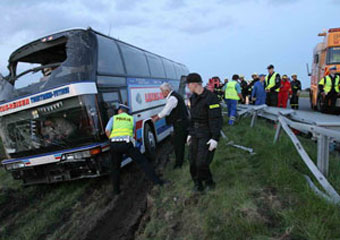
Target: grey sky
pixel 211 37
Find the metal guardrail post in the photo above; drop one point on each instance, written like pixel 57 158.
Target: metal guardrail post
pixel 277 133
pixel 323 154
pixel 253 119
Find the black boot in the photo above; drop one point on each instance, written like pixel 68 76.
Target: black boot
pixel 198 187
pixel 210 185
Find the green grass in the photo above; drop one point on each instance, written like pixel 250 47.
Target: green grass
pixel 264 196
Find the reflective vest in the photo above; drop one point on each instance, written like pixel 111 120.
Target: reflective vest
pixel 271 82
pixel 231 92
pixel 122 125
pixel 327 86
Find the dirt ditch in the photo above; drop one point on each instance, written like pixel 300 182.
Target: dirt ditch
pixel 126 211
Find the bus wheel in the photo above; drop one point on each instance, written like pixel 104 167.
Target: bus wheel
pixel 149 143
pixel 319 104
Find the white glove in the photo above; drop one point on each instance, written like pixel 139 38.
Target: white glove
pixel 188 139
pixel 212 144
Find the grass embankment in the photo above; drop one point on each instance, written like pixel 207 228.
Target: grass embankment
pixel 264 196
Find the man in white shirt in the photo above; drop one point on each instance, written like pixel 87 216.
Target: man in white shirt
pixel 176 114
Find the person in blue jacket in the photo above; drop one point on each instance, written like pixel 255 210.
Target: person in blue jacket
pixel 259 94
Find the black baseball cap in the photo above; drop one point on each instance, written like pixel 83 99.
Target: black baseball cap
pixel 270 66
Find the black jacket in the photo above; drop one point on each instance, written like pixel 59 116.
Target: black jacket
pixel 206 116
pixel 295 85
pixel 277 82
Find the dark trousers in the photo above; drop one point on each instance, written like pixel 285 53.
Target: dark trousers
pixel 272 99
pixel 117 151
pixel 294 101
pixel 179 138
pixel 200 158
pixel 329 102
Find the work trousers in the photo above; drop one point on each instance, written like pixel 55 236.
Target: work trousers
pixel 272 99
pixel 200 158
pixel 283 99
pixel 118 149
pixel 232 108
pixel 179 140
pixel 329 102
pixel 294 101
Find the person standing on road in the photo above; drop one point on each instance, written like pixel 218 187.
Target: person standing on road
pixel 329 89
pixel 244 88
pixel 204 132
pixel 284 93
pixel 296 89
pixel 258 95
pixel 273 83
pixel 255 78
pixel 176 114
pixel 232 96
pixel 120 130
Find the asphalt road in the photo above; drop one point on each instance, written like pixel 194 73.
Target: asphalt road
pixel 304 104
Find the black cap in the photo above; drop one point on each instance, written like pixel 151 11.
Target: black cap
pixel 270 66
pixel 194 78
pixel 235 77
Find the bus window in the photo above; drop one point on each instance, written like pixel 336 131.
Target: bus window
pixel 111 81
pixel 169 69
pixel 135 61
pixel 124 95
pixel 110 103
pixel 333 55
pixel 109 59
pixel 156 66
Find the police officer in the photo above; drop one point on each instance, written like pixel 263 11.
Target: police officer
pixel 120 130
pixel 273 83
pixel 329 89
pixel 296 89
pixel 232 96
pixel 176 114
pixel 204 131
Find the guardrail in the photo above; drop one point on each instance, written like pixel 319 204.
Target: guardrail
pixel 323 128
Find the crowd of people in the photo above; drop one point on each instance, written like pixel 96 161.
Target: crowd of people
pixel 270 89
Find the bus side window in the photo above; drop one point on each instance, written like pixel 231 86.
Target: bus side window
pixel 316 58
pixel 110 103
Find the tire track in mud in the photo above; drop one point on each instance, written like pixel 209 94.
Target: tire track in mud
pixel 122 220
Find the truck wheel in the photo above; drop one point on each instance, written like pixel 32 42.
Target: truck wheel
pixel 319 104
pixel 149 143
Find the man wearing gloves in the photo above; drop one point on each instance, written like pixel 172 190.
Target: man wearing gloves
pixel 204 132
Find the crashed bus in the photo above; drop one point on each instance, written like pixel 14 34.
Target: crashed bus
pixel 60 93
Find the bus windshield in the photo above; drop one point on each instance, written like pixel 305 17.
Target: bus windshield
pixel 41 65
pixel 333 55
pixel 55 126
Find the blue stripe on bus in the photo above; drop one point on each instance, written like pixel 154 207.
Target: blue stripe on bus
pixel 53 153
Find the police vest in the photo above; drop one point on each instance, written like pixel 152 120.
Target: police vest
pixel 122 125
pixel 180 112
pixel 327 86
pixel 231 92
pixel 271 82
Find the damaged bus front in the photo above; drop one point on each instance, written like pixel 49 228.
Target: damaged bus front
pixel 49 118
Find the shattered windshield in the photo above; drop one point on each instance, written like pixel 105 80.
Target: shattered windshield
pixel 55 126
pixel 51 63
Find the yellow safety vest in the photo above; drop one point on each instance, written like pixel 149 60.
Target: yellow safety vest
pixel 122 125
pixel 231 92
pixel 271 82
pixel 327 86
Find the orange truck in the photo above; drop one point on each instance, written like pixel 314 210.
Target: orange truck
pixel 325 55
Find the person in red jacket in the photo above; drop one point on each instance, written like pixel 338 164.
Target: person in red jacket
pixel 285 92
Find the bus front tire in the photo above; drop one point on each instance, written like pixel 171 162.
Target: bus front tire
pixel 149 143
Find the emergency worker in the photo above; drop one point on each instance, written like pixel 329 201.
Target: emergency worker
pixel 204 132
pixel 176 114
pixel 273 83
pixel 285 92
pixel 120 130
pixel 232 96
pixel 329 89
pixel 296 89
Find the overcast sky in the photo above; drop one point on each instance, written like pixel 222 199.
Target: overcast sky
pixel 215 37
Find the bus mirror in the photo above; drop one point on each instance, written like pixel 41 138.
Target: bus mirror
pixel 308 73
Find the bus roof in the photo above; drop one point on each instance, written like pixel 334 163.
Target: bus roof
pixel 15 56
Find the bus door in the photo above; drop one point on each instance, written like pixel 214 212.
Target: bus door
pixel 109 100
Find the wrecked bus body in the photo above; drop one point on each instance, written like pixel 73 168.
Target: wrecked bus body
pixel 60 93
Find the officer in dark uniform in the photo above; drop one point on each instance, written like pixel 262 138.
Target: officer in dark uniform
pixel 120 130
pixel 204 131
pixel 176 114
pixel 296 89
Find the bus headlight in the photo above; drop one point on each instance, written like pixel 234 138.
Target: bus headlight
pixel 14 166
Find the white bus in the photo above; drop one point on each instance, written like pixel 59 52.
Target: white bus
pixel 60 93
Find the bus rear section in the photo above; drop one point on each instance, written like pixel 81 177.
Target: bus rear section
pixel 325 55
